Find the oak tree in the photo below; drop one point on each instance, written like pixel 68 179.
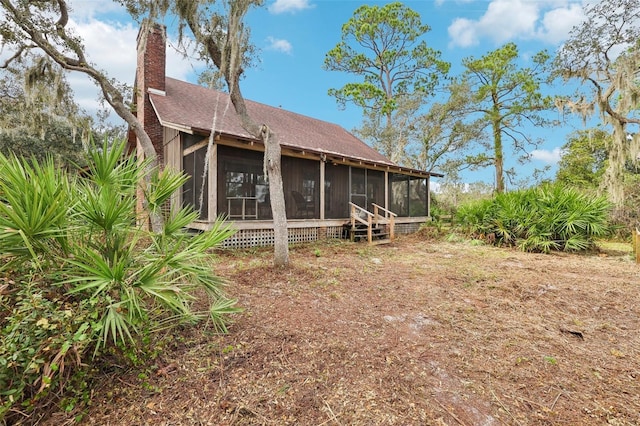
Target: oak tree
pixel 584 159
pixel 219 30
pixel 44 27
pixel 448 133
pixel 603 54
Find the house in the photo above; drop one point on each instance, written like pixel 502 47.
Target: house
pixel 325 168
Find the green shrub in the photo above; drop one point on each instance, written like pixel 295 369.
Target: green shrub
pixel 542 219
pixel 80 277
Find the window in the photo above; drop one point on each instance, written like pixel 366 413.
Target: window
pixel 301 180
pixel 408 195
pixel 399 194
pixel 243 192
pixel 375 188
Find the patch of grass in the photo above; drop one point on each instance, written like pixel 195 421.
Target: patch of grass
pixel 615 248
pixel 454 238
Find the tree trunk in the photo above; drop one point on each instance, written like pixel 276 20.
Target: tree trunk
pixel 227 56
pixel 113 98
pixel 498 158
pixel 273 169
pixel 613 179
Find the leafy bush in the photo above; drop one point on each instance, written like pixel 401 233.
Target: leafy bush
pixel 80 277
pixel 550 217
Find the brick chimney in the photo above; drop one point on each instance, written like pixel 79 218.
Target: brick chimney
pixel 150 76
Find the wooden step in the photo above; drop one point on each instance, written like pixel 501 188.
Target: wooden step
pixel 382 241
pixel 374 236
pixel 359 232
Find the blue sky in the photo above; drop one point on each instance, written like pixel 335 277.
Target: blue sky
pixel 293 37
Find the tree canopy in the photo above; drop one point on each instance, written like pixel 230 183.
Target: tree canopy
pixel 603 54
pixel 384 47
pixel 584 159
pixel 43 27
pixel 38 114
pixel 506 96
pixel 448 133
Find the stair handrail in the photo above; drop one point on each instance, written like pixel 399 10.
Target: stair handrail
pixel 388 214
pixel 356 217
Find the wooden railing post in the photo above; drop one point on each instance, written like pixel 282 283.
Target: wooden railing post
pixel 636 244
pixel 371 219
pixel 375 213
pixel 389 217
pixel 353 217
pixel 392 234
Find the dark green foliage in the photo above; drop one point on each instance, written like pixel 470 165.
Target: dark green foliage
pixel 56 140
pixel 38 115
pixel 582 166
pixel 584 159
pixel 550 217
pixel 80 279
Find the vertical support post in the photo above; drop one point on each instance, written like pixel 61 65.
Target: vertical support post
pixel 636 244
pixel 321 185
pixel 375 214
pixel 369 231
pixel 352 216
pixel 386 189
pixel 392 233
pixel 212 178
pixel 428 196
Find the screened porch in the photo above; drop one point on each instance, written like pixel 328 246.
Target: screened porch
pixel 242 192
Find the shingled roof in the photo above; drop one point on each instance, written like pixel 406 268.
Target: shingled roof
pixel 186 106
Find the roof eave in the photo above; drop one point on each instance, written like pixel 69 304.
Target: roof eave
pixel 338 156
pixel 388 165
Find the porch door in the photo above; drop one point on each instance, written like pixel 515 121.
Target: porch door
pixel 195 192
pixel 358 187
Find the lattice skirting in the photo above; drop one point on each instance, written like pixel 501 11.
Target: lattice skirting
pixel 264 237
pixel 407 228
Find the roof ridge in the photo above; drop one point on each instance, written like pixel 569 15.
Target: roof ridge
pixel 193 108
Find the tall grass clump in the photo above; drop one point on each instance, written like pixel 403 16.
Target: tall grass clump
pixel 80 279
pixel 543 219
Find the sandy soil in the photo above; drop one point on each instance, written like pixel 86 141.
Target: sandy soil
pixel 417 332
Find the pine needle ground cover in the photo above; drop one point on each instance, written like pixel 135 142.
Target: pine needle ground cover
pixel 416 332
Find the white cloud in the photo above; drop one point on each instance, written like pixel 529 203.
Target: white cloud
pixel 441 2
pixel 546 156
pixel 279 45
pixel 504 20
pixel 283 6
pixel 557 23
pixel 112 48
pixel 86 10
pixel 463 33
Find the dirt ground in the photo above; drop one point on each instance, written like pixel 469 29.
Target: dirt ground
pixel 417 332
